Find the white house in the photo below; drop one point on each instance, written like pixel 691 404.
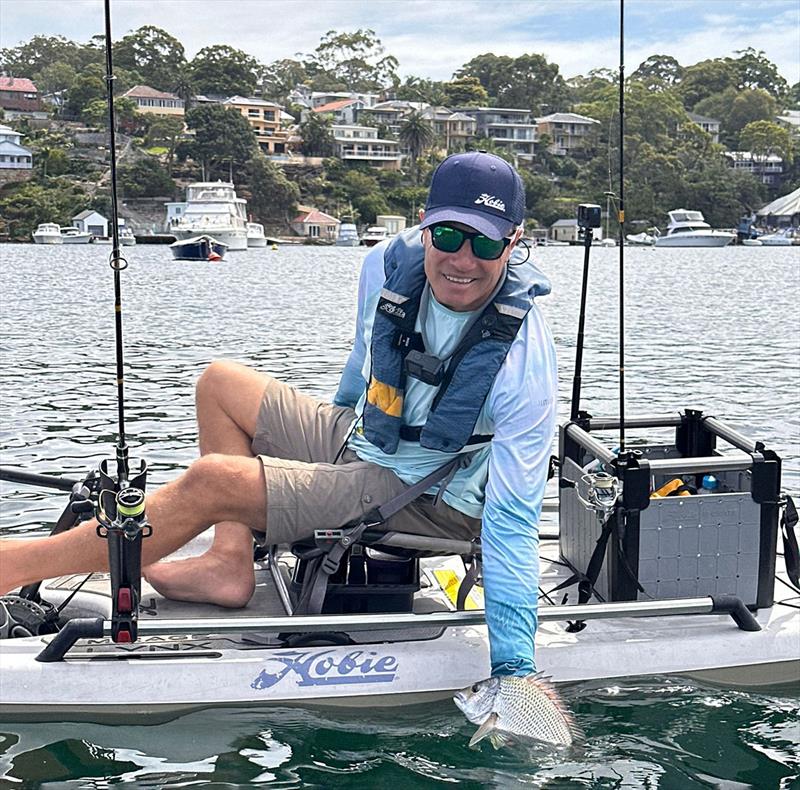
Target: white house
pixel 564 230
pixel 13 156
pixel 315 224
pixel 568 131
pixel 708 125
pixel 356 143
pixel 769 169
pixel 91 222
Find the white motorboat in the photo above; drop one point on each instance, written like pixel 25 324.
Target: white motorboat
pixel 374 235
pixel 348 235
pixel 213 209
pixel 255 235
pixel 642 239
pixel 689 229
pixel 48 233
pixel 126 237
pixel 72 235
pixel 781 238
pixel 752 243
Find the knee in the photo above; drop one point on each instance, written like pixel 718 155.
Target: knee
pixel 211 479
pixel 215 378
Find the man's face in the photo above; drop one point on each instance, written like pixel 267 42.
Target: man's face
pixel 459 280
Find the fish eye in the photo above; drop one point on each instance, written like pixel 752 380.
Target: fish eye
pixel 475 688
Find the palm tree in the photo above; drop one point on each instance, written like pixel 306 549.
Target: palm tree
pixel 416 134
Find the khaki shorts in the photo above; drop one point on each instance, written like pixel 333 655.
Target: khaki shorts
pixel 297 439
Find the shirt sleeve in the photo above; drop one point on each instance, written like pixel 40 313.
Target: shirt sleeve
pixel 352 383
pixel 523 405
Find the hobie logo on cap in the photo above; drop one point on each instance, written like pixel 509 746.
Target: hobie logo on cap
pixel 491 201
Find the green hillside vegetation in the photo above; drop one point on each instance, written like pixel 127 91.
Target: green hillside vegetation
pixel 669 161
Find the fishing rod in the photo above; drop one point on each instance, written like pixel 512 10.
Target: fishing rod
pixel 621 222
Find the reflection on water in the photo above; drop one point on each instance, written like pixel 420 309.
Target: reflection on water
pixel 711 329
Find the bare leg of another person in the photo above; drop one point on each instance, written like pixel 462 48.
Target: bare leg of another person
pixel 228 402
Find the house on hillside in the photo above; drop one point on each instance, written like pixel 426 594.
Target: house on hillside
pixel 356 143
pixel 342 111
pixel 569 132
pixel 19 98
pixel 16 161
pixel 708 125
pixel 507 127
pixel 768 169
pixel 453 129
pixel 790 120
pixel 91 222
pixel 314 224
pixel 149 100
pixel 267 120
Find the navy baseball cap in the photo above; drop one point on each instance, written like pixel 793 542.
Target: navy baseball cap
pixel 477 189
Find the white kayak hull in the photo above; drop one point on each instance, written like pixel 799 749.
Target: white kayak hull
pixel 169 674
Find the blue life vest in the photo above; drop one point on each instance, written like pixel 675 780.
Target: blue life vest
pixel 472 367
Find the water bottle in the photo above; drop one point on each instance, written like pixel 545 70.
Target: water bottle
pixel 710 485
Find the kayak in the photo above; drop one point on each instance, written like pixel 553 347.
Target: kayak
pixel 191 656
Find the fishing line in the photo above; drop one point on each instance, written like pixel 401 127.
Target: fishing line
pixel 621 221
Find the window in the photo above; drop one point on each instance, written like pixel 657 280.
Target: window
pixel 313 231
pixel 252 113
pixel 269 115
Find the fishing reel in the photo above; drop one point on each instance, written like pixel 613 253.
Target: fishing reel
pixel 601 492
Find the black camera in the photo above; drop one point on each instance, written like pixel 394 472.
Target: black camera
pixel 589 216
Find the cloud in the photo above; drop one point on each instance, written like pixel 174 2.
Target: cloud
pixel 433 39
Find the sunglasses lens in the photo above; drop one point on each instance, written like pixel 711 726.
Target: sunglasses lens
pixel 446 239
pixel 486 248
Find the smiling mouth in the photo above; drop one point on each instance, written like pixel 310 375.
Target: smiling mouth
pixel 458 280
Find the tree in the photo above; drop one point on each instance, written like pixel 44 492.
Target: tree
pixel 28 59
pixel 25 206
pixel 317 135
pixel 465 91
pixel 145 178
pixel 95 113
pixel 423 90
pixel 527 82
pixel 272 195
pixel 416 134
pixel 280 77
pixel 754 70
pixel 357 60
pixel 221 135
pixel 763 138
pixel 55 77
pixel 706 78
pixel 168 130
pixel 85 89
pixel 153 53
pixel 659 72
pixel 223 70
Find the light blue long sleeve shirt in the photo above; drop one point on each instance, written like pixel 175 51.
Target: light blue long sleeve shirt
pixel 504 482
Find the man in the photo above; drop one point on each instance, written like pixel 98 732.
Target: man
pixel 451 358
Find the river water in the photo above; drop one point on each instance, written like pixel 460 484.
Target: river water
pixel 714 329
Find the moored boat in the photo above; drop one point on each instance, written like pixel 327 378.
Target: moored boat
pixel 373 235
pixel 255 235
pixel 348 235
pixel 213 209
pixel 72 235
pixel 199 248
pixel 780 238
pixel 689 229
pixel 48 233
pixel 642 239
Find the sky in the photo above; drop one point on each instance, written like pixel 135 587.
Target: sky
pixel 433 38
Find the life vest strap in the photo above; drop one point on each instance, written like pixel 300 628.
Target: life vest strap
pixel 411 433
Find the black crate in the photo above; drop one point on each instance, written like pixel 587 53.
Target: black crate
pixel 364 583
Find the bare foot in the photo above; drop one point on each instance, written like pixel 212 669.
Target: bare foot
pixel 213 577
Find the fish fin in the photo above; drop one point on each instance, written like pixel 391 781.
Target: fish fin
pixel 486 729
pixel 499 739
pixel 545 683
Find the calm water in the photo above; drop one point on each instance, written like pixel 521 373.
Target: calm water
pixel 709 329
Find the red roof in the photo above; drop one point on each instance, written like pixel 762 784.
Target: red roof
pixel 316 216
pixel 20 84
pixel 334 105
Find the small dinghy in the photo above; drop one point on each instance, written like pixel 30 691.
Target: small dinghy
pixel 198 248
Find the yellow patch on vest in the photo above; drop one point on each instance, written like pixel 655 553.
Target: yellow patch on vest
pixel 386 398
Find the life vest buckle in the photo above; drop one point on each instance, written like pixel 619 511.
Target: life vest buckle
pixel 425 367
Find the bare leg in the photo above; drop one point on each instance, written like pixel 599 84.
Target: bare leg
pixel 228 402
pixel 214 489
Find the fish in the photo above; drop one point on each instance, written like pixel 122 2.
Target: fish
pixel 512 709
